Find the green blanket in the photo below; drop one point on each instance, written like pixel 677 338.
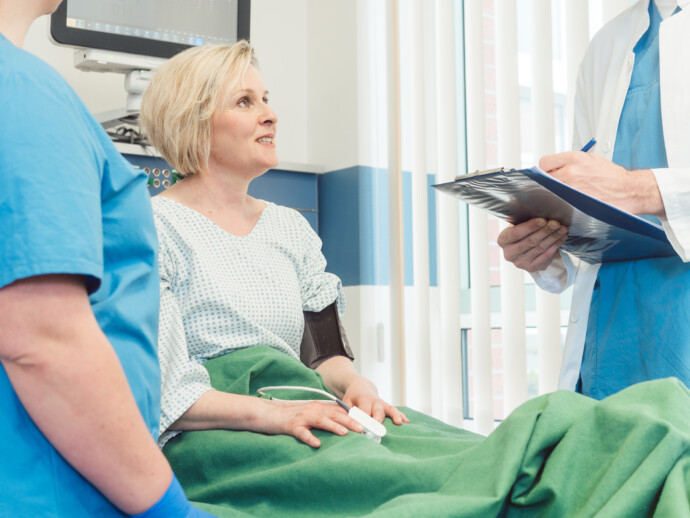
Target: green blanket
pixel 557 455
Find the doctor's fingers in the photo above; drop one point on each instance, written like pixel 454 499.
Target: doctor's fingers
pixel 542 261
pixel 517 233
pixel 536 251
pixel 550 163
pixel 518 239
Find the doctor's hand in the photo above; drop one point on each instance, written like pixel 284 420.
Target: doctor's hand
pixel 363 393
pixel 635 192
pixel 534 244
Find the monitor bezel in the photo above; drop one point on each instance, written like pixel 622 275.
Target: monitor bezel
pixel 130 44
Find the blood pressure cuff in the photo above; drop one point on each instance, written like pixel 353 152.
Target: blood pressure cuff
pixel 324 337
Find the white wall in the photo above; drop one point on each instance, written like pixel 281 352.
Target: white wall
pixel 332 83
pixel 279 34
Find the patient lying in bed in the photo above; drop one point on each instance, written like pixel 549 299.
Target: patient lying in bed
pixel 237 275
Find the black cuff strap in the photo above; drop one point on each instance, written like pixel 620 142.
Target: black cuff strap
pixel 324 337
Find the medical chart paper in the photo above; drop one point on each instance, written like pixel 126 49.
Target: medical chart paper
pixel 597 231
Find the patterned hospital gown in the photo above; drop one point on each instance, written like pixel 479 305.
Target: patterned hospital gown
pixel 221 292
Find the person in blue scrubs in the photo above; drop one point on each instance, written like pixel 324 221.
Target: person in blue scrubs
pixel 80 381
pixel 630 321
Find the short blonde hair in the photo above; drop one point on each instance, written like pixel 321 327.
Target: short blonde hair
pixel 178 106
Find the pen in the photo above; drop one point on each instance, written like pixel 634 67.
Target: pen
pixel 589 146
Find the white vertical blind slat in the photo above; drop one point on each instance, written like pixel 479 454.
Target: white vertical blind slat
pixel 482 378
pixel 439 328
pixel 512 279
pixel 397 272
pixel 448 220
pixel 548 305
pixel 479 264
pixel 577 38
pixel 419 353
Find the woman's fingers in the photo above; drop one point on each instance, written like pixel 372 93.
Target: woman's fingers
pixel 322 416
pixel 396 415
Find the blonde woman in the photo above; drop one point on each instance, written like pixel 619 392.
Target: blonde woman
pixel 235 271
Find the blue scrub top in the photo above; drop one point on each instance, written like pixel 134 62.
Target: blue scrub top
pixel 70 204
pixel 639 319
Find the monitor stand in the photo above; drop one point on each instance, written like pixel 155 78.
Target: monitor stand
pixel 138 73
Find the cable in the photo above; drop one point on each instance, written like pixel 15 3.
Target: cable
pixel 304 389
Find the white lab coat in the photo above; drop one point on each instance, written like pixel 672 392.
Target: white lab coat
pixel 602 86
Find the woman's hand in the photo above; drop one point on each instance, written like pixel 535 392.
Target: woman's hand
pixel 362 393
pixel 298 418
pixel 340 376
pixel 534 244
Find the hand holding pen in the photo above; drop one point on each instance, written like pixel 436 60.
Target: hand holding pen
pixel 604 180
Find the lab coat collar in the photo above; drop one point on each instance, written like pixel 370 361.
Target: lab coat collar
pixel 640 12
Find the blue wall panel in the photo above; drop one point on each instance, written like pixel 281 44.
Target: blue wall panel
pixel 353 219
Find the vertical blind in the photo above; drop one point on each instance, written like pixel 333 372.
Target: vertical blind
pixel 482 43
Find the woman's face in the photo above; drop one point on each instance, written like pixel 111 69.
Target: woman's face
pixel 243 130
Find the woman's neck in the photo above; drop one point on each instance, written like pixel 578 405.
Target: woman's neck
pixel 225 202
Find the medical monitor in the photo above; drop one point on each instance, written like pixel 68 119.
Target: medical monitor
pixel 156 28
pixel 134 37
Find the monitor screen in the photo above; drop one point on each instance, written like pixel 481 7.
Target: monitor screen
pixel 159 28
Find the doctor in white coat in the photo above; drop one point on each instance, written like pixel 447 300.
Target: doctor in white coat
pixel 629 321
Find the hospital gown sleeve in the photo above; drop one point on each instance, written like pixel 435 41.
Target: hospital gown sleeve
pixel 319 288
pixel 183 379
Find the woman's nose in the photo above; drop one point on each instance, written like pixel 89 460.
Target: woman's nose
pixel 269 117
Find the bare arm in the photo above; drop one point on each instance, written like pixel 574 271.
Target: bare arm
pixel 216 410
pixel 340 376
pixel 70 381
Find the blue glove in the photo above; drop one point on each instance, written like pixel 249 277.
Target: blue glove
pixel 173 504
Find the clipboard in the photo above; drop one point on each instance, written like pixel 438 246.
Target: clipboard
pixel 597 231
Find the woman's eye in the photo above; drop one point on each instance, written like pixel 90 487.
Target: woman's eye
pixel 243 103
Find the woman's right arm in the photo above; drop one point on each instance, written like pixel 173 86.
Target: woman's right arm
pixel 216 410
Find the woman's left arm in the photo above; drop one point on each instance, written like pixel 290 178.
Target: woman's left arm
pixel 340 376
pixel 319 289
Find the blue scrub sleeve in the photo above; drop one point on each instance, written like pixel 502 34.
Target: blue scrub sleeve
pixel 173 504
